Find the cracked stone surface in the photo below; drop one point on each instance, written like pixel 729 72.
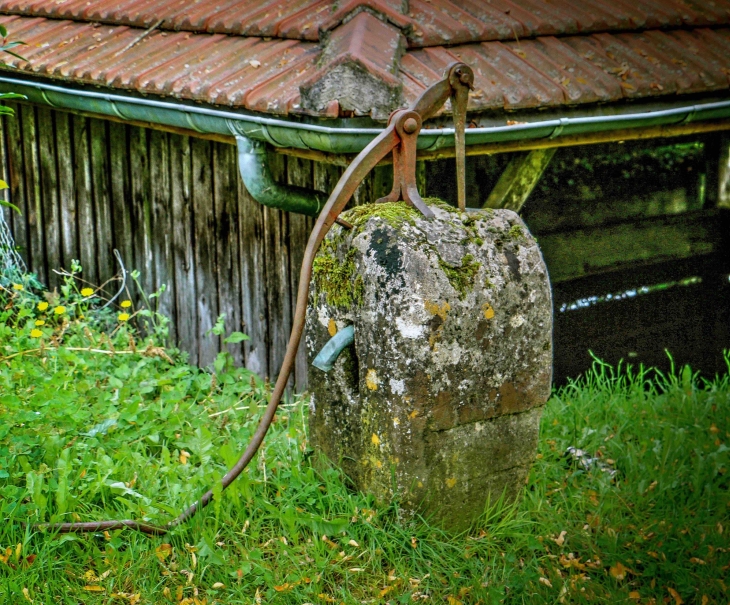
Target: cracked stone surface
pixel 438 399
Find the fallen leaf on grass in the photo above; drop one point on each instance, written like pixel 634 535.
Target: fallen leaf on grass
pixel 453 601
pixel 184 456
pixel 283 587
pixel 560 540
pixel 94 588
pixel 132 598
pixel 26 594
pixel 163 551
pixel 618 571
pixel 634 594
pixel 697 561
pixel 675 595
pixel 705 600
pixel 218 585
pixel 547 582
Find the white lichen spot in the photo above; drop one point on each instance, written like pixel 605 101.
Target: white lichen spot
pixel 478 427
pixel 408 329
pixel 516 321
pixel 371 380
pixel 323 317
pixel 312 406
pixel 397 387
pixel 447 354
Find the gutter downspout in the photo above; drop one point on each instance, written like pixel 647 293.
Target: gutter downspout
pixel 253 166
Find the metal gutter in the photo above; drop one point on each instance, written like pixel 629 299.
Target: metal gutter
pixel 253 166
pixel 333 139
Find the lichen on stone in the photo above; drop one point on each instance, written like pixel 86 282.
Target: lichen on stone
pixel 462 278
pixel 336 279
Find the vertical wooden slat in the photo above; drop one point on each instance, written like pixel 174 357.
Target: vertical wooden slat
pixel 276 232
pixel 16 180
pixel 100 170
pixel 227 245
pixel 68 231
pixel 205 261
pixel 186 316
pixel 162 222
pixel 301 173
pixel 141 207
pixel 6 212
pixel 84 199
pixel 253 281
pixel 120 193
pixel 49 189
pixel 34 207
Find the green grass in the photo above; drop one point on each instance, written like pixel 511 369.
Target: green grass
pixel 87 435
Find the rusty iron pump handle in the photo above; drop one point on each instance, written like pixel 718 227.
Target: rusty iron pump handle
pixel 402 131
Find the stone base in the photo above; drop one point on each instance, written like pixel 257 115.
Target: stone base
pixel 437 402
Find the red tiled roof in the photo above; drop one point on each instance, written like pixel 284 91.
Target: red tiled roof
pixel 425 23
pixel 371 56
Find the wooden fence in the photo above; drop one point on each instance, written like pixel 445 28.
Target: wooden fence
pixel 176 209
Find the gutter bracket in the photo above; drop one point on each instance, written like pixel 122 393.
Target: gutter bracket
pixel 253 166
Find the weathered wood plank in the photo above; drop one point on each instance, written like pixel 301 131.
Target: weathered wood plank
pixel 84 199
pixel 141 208
pixel 225 198
pixel 301 173
pixel 253 281
pixel 722 193
pixel 186 312
pixel 120 191
pixel 276 231
pixel 100 182
pixel 49 190
pixel 162 223
pixel 68 232
pixel 519 179
pixel 584 252
pixel 204 243
pixel 5 212
pixel 34 198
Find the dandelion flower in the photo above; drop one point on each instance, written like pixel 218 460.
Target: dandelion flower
pixel 36 333
pixel 42 306
pixel 18 287
pixel 59 310
pixel 123 316
pixel 125 304
pixel 87 291
pixel 39 322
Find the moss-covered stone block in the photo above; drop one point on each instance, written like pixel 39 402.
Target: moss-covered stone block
pixel 437 402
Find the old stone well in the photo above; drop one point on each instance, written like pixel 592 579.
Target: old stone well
pixel 437 399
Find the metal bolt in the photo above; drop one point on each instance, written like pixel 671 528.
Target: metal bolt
pixel 410 126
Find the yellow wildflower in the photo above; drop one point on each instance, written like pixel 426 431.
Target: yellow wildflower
pixel 42 306
pixel 39 322
pixel 125 304
pixel 36 333
pixel 123 316
pixel 18 287
pixel 59 310
pixel 87 291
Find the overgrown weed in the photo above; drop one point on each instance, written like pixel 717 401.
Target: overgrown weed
pixel 98 421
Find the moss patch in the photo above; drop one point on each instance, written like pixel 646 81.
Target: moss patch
pixel 515 232
pixel 462 278
pixel 336 279
pixel 394 213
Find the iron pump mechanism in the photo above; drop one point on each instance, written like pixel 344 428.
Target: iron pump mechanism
pixel 400 137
